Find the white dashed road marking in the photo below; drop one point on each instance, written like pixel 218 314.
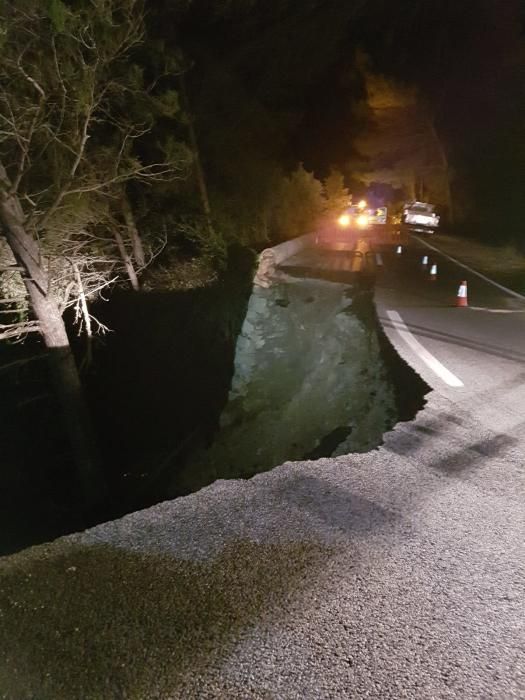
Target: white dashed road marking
pixel 427 357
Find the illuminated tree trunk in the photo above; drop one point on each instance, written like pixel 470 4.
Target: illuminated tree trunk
pixel 134 236
pixel 64 372
pixel 128 263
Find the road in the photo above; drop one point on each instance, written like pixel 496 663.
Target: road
pixel 482 346
pixel 399 573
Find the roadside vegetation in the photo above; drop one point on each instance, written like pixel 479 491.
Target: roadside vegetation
pixel 503 263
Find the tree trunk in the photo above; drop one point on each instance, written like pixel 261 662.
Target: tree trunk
pixel 128 263
pixel 199 171
pixel 413 186
pixel 64 371
pixel 134 236
pixel 446 172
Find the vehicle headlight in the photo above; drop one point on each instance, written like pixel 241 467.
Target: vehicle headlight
pixel 344 220
pixel 362 220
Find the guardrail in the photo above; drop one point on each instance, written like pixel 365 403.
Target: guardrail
pixel 270 258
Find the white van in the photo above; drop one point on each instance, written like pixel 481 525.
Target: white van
pixel 420 216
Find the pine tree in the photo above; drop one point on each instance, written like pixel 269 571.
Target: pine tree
pixel 67 146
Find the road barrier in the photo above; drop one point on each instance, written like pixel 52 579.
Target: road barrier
pixel 461 298
pixel 361 254
pixel 270 258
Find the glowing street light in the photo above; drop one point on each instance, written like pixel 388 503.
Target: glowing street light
pixel 344 220
pixel 362 204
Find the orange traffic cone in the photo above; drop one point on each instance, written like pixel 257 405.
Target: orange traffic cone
pixel 462 299
pixel 434 272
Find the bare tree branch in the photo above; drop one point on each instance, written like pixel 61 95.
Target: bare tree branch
pixel 80 153
pixel 18 330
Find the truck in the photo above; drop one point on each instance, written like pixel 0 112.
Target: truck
pixel 420 216
pixel 362 216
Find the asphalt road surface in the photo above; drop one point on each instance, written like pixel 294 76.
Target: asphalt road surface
pixel 481 346
pixel 399 573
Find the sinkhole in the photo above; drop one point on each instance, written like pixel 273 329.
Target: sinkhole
pixel 313 376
